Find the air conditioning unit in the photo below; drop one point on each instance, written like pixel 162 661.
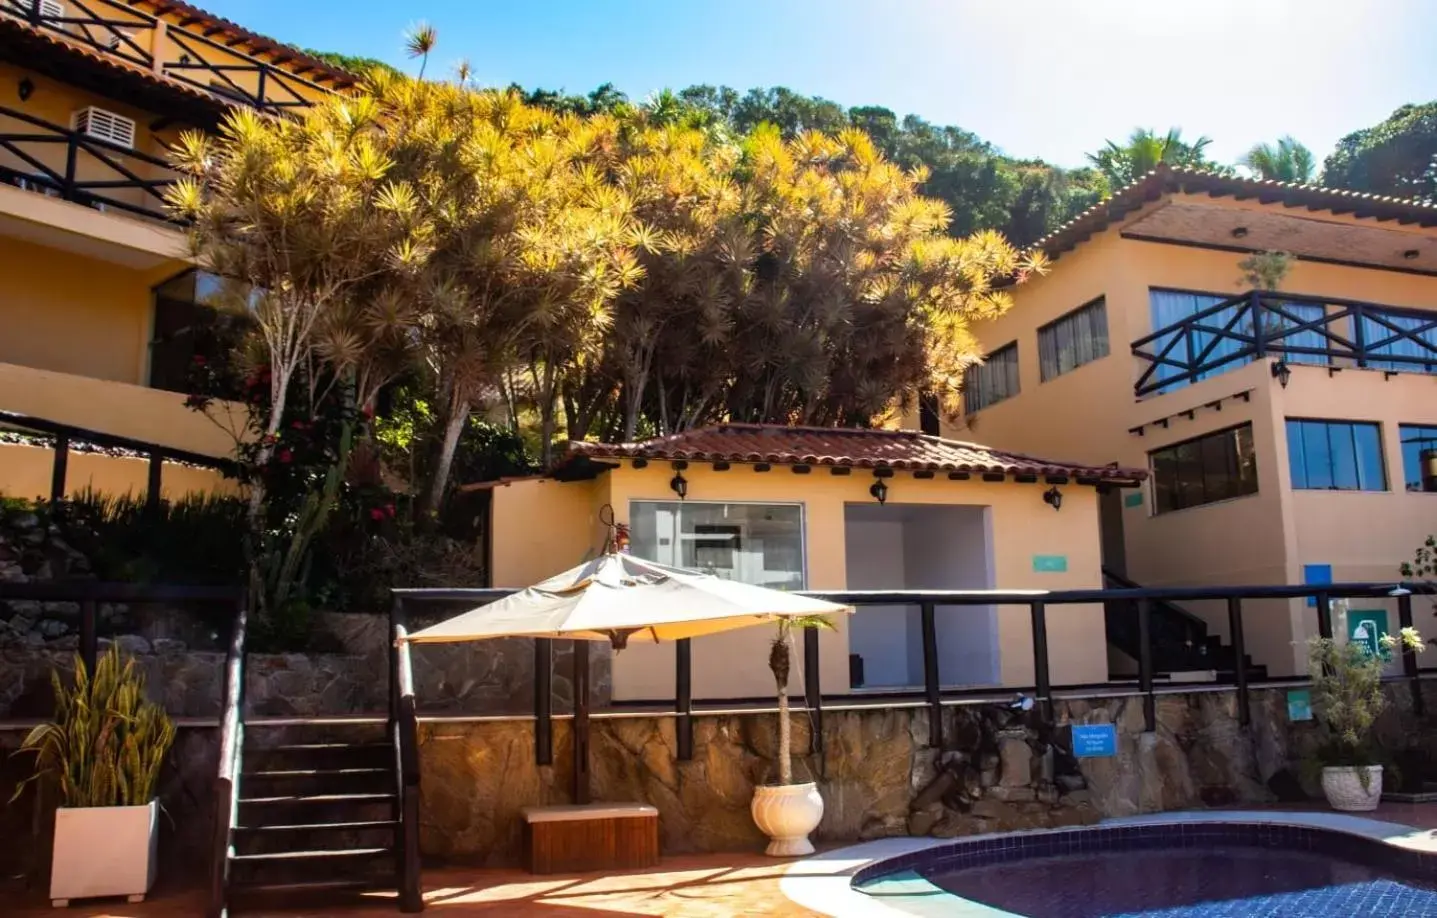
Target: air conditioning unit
pixel 50 9
pixel 105 125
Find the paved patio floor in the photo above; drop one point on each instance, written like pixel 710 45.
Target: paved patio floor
pixel 688 886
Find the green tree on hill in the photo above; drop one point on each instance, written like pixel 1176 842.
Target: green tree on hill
pixel 1395 157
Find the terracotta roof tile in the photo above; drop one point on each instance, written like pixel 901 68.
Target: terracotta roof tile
pixel 255 40
pixel 1166 179
pixel 110 62
pixel 863 449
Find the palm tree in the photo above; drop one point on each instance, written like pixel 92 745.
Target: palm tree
pixel 419 41
pixel 780 663
pixel 1287 161
pixel 1144 151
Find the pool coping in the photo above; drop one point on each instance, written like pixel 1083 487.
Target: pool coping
pixel 823 883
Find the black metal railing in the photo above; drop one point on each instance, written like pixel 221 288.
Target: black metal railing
pixel 61 162
pixel 1041 606
pixel 1297 329
pixel 64 435
pixel 404 733
pixel 118 29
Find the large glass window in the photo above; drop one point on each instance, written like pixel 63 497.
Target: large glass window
pixel 1375 332
pixel 1419 444
pixel 1213 467
pixel 189 332
pixel 1335 455
pixel 1077 338
pixel 995 379
pixel 760 544
pixel 1169 307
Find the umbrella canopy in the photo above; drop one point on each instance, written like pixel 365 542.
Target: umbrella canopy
pixel 617 595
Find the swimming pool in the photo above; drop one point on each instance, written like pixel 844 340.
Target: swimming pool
pixel 1173 870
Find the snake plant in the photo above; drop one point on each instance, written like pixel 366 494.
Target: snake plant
pixel 107 742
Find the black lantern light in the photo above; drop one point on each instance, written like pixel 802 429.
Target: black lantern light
pixel 1053 498
pixel 879 490
pixel 680 484
pixel 1282 372
pixel 26 89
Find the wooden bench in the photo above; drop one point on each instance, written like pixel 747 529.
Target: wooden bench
pixel 595 836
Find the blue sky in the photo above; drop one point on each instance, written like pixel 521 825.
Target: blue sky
pixel 1047 78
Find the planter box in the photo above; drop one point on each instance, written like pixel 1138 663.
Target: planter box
pixel 104 851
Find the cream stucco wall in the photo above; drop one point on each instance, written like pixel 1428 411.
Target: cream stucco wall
pixel 25 472
pixel 540 527
pixel 1087 415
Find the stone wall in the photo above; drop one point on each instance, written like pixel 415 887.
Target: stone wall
pixel 998 770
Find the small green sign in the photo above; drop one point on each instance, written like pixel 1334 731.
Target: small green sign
pixel 1299 704
pixel 1366 627
pixel 1050 564
pixel 1133 499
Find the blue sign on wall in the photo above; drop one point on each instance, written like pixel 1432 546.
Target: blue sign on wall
pixel 1050 564
pixel 1095 741
pixel 1316 575
pixel 1133 499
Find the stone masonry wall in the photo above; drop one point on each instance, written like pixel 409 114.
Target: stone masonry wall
pixel 997 771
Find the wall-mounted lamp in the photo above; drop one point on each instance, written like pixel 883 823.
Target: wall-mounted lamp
pixel 1411 254
pixel 1282 372
pixel 1053 498
pixel 1239 232
pixel 26 89
pixel 680 484
pixel 879 490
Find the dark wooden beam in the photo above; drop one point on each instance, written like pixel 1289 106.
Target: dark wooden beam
pixel 641 463
pixel 721 466
pixel 801 469
pixel 840 470
pixel 762 467
pixel 958 476
pixel 994 476
pixel 923 474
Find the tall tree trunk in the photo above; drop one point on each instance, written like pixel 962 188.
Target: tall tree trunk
pixel 455 419
pixel 780 661
pixel 546 415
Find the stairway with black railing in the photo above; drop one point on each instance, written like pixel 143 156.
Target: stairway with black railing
pixel 317 812
pixel 1181 641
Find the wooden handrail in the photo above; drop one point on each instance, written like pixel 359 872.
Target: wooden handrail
pixel 227 781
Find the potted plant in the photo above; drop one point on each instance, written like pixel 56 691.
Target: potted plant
pixel 787 812
pixel 103 751
pixel 1347 697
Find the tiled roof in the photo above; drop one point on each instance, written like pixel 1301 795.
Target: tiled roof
pixel 256 41
pixel 863 449
pixel 1166 179
pixel 112 64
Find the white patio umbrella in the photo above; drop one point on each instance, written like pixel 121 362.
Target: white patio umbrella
pixel 612 598
pixel 615 596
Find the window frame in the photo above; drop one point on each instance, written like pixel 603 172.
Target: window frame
pixel 1017 377
pixel 1401 443
pixel 1385 465
pixel 1099 302
pixel 1197 442
pixel 802 520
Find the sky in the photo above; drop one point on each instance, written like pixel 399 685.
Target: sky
pixel 1038 78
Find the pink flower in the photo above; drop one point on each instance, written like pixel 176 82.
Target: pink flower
pixel 285 455
pixel 376 514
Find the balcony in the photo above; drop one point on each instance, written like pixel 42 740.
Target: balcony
pixel 124 33
pixel 58 162
pixel 1296 329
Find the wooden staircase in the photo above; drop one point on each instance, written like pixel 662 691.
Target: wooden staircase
pixel 317 808
pixel 316 816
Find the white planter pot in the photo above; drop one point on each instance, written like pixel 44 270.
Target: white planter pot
pixel 786 814
pixel 1344 791
pixel 104 851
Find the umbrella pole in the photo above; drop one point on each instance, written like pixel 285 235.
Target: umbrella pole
pixel 581 721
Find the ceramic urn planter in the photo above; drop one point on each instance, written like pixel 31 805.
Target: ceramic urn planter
pixel 787 813
pixel 104 851
pixel 1344 789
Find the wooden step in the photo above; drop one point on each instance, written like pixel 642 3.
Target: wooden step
pixel 324 854
pixel 315 772
pixel 317 798
pixel 318 747
pixel 316 886
pixel 359 826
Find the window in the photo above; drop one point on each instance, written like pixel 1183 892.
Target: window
pixel 1417 441
pixel 1335 456
pixel 995 379
pixel 107 126
pixel 1380 334
pixel 1077 338
pixel 1216 466
pixel 1169 307
pixel 760 544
